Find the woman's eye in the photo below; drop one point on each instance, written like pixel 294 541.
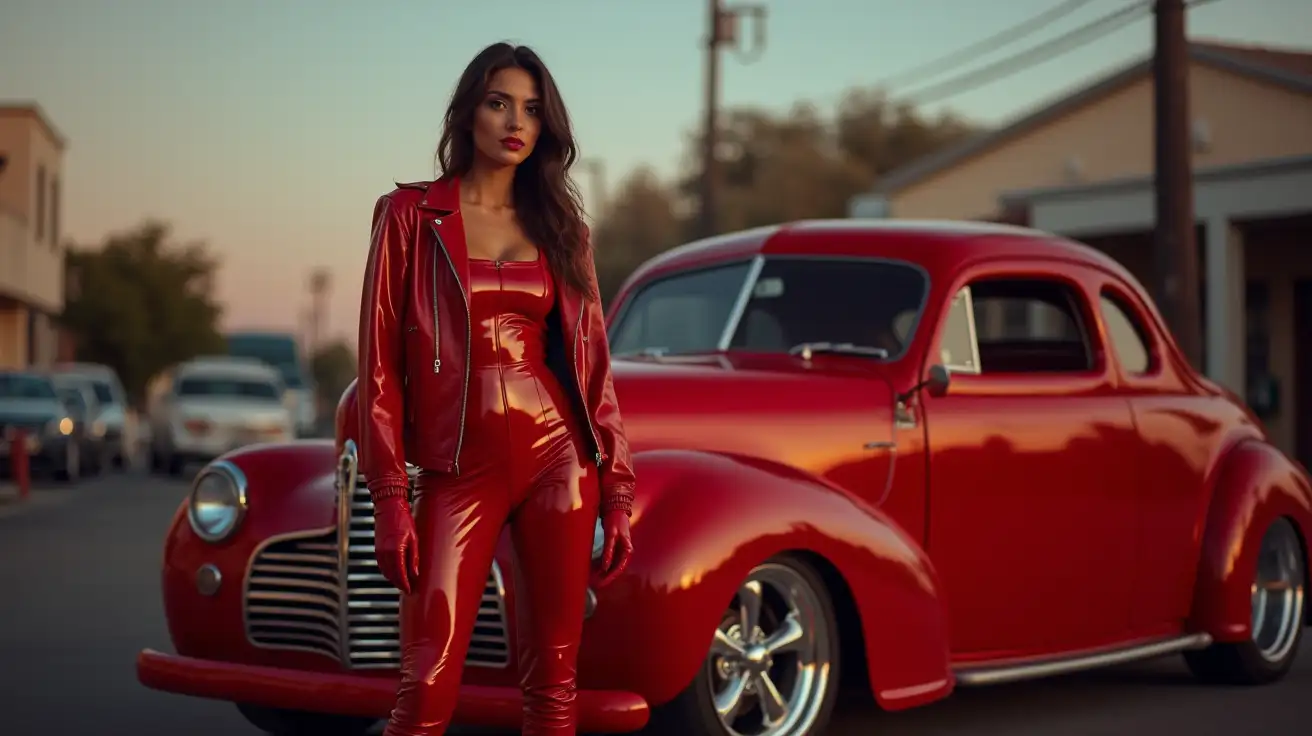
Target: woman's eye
pixel 496 104
pixel 532 110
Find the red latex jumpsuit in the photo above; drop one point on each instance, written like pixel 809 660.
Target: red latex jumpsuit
pixel 523 462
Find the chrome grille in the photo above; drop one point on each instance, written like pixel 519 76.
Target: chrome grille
pixel 372 604
pixel 295 597
pixel 292 593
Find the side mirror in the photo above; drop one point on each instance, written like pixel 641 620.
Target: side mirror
pixel 940 379
pixel 937 384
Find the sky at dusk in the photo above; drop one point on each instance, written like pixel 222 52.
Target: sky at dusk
pixel 268 128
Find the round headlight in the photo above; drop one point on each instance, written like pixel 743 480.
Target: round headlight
pixel 598 541
pixel 218 501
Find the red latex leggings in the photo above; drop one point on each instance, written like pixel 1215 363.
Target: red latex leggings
pixel 552 530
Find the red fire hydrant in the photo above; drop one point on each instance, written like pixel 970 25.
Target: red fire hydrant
pixel 19 465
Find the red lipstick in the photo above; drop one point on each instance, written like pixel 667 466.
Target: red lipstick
pixel 512 143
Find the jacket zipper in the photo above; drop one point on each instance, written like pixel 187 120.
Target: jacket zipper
pixel 578 380
pixel 437 327
pixel 469 328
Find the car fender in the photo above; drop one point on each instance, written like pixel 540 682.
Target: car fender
pixel 1255 485
pixel 289 488
pixel 702 521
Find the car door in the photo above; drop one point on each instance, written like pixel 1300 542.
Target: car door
pixel 1030 504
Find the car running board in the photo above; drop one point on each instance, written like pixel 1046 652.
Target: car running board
pixel 1035 669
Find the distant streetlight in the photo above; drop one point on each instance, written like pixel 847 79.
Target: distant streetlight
pixel 596 169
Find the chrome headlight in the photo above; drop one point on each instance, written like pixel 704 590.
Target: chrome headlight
pixel 218 501
pixel 598 540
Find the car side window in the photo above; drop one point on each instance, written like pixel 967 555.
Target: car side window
pixel 1126 335
pixel 1030 325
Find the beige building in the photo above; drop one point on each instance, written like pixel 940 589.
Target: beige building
pixel 1083 166
pixel 31 254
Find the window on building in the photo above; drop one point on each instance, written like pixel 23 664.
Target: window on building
pixel 54 211
pixel 1043 330
pixel 1127 335
pixel 40 220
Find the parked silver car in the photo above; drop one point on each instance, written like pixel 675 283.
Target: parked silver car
pixel 30 402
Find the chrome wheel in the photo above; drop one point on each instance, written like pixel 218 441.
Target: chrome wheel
pixel 770 661
pixel 1278 592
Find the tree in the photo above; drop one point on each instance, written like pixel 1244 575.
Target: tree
pixel 142 304
pixel 774 168
pixel 640 222
pixel 333 367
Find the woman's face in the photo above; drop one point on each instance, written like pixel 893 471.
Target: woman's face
pixel 506 122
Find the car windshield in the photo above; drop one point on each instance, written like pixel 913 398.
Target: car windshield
pixel 25 386
pixel 104 392
pixel 227 387
pixel 850 304
pixel 679 314
pixel 74 399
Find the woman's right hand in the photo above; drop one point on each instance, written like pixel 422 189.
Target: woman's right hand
pixel 396 547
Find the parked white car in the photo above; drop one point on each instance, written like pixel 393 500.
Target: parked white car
pixel 206 407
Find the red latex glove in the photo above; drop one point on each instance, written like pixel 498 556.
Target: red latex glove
pixel 617 548
pixel 396 547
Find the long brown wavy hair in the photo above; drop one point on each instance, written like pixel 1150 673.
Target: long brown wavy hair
pixel 546 200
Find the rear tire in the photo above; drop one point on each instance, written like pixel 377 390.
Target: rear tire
pixel 791 649
pixel 280 722
pixel 1278 617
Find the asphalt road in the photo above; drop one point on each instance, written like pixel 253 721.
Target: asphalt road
pixel 79 575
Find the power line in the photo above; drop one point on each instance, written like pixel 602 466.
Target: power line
pixel 1065 43
pixel 984 46
pixel 1084 35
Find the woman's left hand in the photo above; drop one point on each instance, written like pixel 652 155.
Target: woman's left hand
pixel 618 546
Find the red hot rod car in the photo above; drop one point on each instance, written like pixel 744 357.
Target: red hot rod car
pixel 914 455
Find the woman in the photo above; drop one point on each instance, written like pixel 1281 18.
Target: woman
pixel 484 363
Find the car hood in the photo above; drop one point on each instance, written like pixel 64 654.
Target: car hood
pixel 112 415
pixel 233 410
pixel 29 411
pixel 772 406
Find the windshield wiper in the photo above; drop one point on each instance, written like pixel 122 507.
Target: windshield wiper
pixel 806 349
pixel 644 353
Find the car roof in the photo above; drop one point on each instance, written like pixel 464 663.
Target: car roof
pixel 235 367
pixel 934 244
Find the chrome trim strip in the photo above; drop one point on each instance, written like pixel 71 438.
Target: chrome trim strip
pixel 347 477
pixel 740 304
pixel 998 675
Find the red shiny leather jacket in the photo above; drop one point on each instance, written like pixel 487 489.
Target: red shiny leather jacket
pixel 414 348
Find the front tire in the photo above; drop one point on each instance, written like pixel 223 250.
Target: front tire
pixel 280 722
pixel 1278 617
pixel 773 665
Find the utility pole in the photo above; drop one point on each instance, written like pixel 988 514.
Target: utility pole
pixel 722 30
pixel 1175 247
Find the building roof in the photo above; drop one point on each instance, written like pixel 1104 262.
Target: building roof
pixel 1287 68
pixel 33 110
